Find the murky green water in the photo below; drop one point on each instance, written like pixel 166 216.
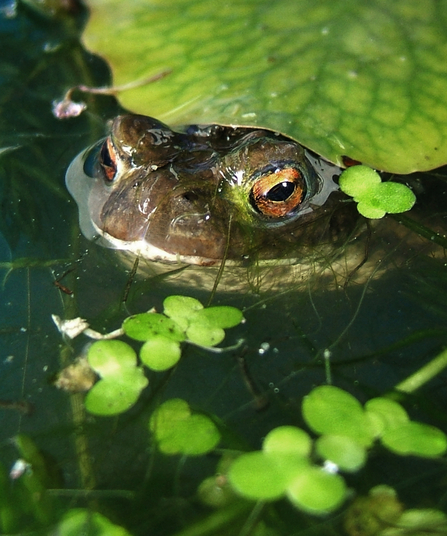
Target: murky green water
pixel 380 326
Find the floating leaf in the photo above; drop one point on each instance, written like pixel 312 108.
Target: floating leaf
pixel 111 358
pixel 387 412
pixel 342 77
pixel 221 316
pixel 203 333
pixel 143 326
pixel 116 394
pixel 317 491
pixel 160 353
pixel 375 198
pixel 177 431
pixel 181 308
pixel 344 451
pixel 414 438
pixel 206 327
pixel 287 440
pixel 330 410
pixel 359 181
pixel 258 476
pixel 422 522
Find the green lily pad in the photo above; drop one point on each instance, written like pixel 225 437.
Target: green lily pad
pixel 143 326
pixel 330 410
pixel 343 77
pixel 414 438
pixel 178 431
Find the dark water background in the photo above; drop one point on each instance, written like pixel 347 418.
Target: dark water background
pixel 379 329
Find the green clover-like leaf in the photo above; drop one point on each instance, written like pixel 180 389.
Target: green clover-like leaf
pixel 374 197
pixel 143 326
pixel 178 431
pixel 115 395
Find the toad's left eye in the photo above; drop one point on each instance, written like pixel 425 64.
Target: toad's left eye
pixel 107 160
pixel 277 193
pixel 101 161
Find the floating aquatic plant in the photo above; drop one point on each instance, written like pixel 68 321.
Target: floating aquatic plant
pixel 122 379
pixel 374 197
pixel 286 467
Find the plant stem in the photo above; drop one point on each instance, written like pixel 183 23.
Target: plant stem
pixel 420 229
pixel 424 374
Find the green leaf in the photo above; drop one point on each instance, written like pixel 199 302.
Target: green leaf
pixel 206 326
pixel 143 326
pixel 316 491
pixel 330 410
pixel 343 77
pixel 82 521
pixel 387 413
pixel 111 358
pixel 344 451
pixel 177 431
pixel 414 438
pixel 359 181
pixel 394 198
pixel 115 394
pixel 375 198
pixel 160 353
pixel 181 308
pixel 421 522
pixel 204 333
pixel 287 440
pixel 221 316
pixel 258 476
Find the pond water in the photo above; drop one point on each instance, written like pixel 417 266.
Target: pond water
pixel 378 322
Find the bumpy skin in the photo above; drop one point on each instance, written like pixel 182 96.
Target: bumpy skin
pixel 201 193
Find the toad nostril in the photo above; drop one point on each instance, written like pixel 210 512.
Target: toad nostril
pixel 190 196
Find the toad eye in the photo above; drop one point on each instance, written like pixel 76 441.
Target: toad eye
pixel 107 160
pixel 100 161
pixel 276 194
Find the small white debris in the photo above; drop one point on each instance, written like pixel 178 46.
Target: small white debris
pixel 19 468
pixel 74 327
pixel 67 108
pixel 330 467
pixel 70 328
